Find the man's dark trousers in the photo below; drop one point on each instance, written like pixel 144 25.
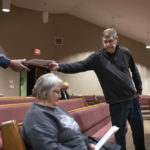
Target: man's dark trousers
pixel 129 110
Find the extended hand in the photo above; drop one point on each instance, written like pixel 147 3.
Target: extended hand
pixel 17 65
pixel 139 95
pixel 53 66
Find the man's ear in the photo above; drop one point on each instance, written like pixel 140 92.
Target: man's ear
pixel 117 38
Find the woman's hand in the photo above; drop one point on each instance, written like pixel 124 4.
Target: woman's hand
pixel 92 146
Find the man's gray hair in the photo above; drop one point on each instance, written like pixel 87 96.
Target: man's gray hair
pixel 110 32
pixel 45 85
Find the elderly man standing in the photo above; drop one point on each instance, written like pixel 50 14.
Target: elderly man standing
pixel 112 65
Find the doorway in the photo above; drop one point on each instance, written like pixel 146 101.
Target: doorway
pixel 28 79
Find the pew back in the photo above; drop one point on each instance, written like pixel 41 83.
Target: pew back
pixel 72 103
pixel 16 99
pixel 13 111
pixel 100 98
pixel 90 99
pixel 144 101
pixel 93 121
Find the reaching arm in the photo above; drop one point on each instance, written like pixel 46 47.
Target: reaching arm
pixel 15 65
pixel 4 61
pixel 68 68
pixel 75 67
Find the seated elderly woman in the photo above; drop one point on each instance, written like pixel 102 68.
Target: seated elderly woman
pixel 49 127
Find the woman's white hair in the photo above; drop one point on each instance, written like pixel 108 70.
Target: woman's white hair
pixel 45 85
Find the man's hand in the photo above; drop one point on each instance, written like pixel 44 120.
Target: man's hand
pixel 16 65
pixel 139 95
pixel 53 66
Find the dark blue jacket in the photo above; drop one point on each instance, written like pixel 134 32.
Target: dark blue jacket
pixel 4 61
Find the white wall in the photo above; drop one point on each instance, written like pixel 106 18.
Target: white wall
pixel 22 30
pixel 81 83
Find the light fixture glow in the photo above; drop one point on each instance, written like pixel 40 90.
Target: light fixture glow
pixel 45 16
pixel 6 10
pixel 6 5
pixel 147 41
pixel 148 46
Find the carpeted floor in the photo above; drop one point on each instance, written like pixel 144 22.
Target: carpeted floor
pixel 129 140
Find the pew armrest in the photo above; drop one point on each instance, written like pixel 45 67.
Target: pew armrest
pixel 11 137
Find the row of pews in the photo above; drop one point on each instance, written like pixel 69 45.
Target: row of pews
pixel 90 111
pixel 15 108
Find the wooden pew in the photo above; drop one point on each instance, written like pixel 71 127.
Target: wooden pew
pixel 17 111
pixel 94 120
pixel 13 112
pixel 12 139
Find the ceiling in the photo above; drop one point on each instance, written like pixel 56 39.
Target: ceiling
pixel 131 18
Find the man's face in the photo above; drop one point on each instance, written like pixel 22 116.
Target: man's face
pixel 110 44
